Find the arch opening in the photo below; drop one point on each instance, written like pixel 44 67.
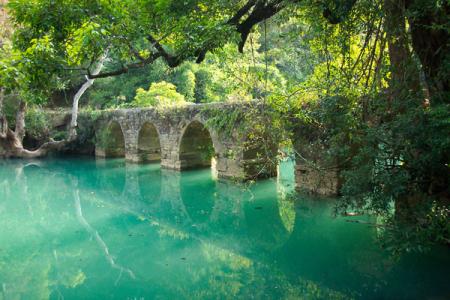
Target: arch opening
pixel 196 148
pixel 259 157
pixel 149 147
pixel 111 141
pixel 286 168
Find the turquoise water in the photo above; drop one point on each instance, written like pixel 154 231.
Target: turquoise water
pixel 86 229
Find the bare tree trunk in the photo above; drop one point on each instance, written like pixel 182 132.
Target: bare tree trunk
pixel 20 121
pixel 2 117
pixel 79 94
pixel 2 95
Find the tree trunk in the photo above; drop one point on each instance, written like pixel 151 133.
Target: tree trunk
pixel 20 121
pixel 431 42
pixel 405 79
pixel 2 117
pixel 404 85
pixel 76 99
pixel 2 95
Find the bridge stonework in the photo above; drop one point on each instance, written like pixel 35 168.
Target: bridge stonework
pixel 180 135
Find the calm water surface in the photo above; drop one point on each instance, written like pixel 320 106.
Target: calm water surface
pixel 86 229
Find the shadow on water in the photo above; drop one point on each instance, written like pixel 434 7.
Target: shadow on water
pixel 105 229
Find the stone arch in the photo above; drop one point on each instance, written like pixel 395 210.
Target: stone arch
pixel 111 141
pixel 149 145
pixel 197 147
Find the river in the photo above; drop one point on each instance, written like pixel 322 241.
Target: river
pixel 78 228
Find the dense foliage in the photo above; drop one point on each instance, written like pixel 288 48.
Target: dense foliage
pixel 159 94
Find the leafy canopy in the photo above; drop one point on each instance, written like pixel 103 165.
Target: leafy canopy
pixel 160 94
pixel 57 41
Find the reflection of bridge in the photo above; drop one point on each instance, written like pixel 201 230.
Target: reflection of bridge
pixel 250 223
pixel 181 138
pixel 172 198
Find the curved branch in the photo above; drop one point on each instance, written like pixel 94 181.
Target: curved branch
pixel 42 151
pixel 257 11
pixel 125 68
pixel 242 12
pixel 76 99
pixel 262 11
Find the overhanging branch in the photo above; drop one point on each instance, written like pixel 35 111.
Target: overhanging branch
pixel 252 13
pixel 257 11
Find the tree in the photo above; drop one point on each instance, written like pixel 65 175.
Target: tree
pixel 160 94
pixel 55 42
pixel 184 79
pixel 363 98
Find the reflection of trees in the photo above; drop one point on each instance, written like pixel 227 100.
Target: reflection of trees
pixel 327 247
pixel 216 272
pixel 37 255
pixel 27 259
pixel 223 258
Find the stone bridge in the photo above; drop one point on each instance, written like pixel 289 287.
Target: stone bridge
pixel 183 138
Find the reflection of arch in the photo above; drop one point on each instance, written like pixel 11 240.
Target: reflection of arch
pixel 111 177
pixel 112 140
pixel 198 195
pixel 196 147
pixel 149 147
pixel 171 202
pixel 149 180
pixel 269 222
